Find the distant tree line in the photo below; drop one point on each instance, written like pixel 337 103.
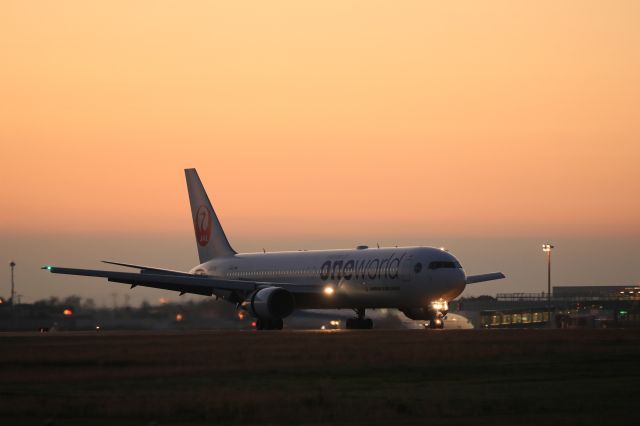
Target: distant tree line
pixel 87 306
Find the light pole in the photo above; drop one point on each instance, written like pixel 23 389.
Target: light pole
pixel 547 248
pixel 13 293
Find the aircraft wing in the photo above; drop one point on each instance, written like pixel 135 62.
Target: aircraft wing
pixel 472 279
pixel 181 281
pixel 147 269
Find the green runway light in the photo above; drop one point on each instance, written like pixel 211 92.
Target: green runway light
pixel 623 312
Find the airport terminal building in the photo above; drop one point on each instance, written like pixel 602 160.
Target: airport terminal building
pixel 568 307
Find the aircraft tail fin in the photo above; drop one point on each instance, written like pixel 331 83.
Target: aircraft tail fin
pixel 210 238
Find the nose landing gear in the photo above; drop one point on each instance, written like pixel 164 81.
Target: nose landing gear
pixel 360 322
pixel 437 322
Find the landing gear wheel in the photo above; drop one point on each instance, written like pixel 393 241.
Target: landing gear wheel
pixel 437 322
pixel 360 322
pixel 269 324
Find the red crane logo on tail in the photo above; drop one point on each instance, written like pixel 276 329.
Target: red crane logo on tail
pixel 203 225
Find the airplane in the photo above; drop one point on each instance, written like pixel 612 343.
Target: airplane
pixel 419 281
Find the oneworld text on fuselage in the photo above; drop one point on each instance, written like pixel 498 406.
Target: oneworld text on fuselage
pixel 361 268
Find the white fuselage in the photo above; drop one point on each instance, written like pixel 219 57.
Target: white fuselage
pixel 404 277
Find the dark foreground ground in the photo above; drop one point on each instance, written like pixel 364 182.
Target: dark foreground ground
pixel 450 377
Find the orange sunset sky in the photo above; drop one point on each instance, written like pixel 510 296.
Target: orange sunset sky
pixel 321 118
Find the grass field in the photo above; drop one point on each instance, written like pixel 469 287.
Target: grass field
pixel 449 377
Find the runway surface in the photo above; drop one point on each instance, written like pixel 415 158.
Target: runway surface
pixel 311 377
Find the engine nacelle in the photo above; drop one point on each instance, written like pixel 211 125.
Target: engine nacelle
pixel 270 303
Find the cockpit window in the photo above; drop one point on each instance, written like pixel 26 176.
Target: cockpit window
pixel 438 264
pixel 418 268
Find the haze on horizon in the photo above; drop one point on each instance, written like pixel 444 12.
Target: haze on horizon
pixel 488 127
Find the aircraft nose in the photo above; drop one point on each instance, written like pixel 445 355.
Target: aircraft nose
pixel 462 276
pixel 457 283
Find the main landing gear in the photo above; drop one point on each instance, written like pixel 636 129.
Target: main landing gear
pixel 269 324
pixel 360 322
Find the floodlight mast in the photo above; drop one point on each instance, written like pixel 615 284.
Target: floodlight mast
pixel 547 248
pixel 12 264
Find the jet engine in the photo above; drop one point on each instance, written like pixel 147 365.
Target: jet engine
pixel 270 303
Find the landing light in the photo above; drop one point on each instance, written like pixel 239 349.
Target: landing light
pixel 440 306
pixel 329 290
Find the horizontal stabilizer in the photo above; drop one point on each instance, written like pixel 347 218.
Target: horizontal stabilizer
pixel 472 279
